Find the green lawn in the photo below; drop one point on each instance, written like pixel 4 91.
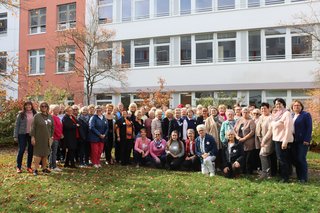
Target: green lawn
pixel 127 189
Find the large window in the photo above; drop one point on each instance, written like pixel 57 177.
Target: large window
pixel 185 7
pixel 126 10
pixel 301 44
pixel 66 16
pixel 253 3
pixel 226 4
pixel 103 99
pixel 204 48
pixel 105 11
pixel 203 5
pixel 275 43
pixel 185 50
pixel 141 9
pixel 227 47
pixel 162 51
pixel 3 23
pixel 162 8
pixel 36 61
pixel 3 62
pixel 37 22
pixel 254 45
pixel 141 52
pixel 66 59
pixel 271 2
pixel 105 56
pixel 126 53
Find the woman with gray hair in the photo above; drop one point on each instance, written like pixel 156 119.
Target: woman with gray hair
pixel 206 150
pixel 191 161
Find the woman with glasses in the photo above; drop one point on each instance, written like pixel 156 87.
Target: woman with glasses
pixel 41 137
pixel 157 149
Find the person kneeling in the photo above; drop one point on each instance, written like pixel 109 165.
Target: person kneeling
pixel 206 150
pixel 232 156
pixel 141 148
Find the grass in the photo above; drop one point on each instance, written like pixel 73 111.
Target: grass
pixel 128 189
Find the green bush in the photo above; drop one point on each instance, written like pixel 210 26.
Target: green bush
pixel 8 114
pixel 315 134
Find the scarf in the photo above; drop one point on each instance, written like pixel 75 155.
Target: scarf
pixel 84 118
pixel 158 144
pixel 278 115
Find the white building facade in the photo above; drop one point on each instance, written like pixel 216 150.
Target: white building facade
pixel 241 49
pixel 9 49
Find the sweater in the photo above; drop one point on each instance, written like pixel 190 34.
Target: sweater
pixel 57 128
pixel 157 151
pixel 97 127
pixel 142 145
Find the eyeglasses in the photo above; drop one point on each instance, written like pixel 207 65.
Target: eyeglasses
pixel 157 134
pixel 44 106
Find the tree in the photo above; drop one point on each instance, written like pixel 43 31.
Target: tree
pixel 8 80
pixel 156 98
pixel 93 60
pixel 10 4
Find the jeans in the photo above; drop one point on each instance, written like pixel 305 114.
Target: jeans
pixel 53 154
pixel 283 156
pixel 300 152
pixel 139 159
pixel 24 140
pixel 247 166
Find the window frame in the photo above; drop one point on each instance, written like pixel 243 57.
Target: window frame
pixel 38 57
pixel 4 61
pixel 234 39
pixel 155 45
pixel 39 27
pixel 69 50
pixel 68 24
pixel 4 19
pixel 273 36
pixel 137 46
pixel 199 61
pixel 105 5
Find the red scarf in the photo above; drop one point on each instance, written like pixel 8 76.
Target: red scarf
pixel 77 129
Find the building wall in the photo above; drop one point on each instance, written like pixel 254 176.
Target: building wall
pixel 49 41
pixel 9 43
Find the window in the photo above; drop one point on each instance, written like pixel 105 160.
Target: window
pixel 3 62
pixel 253 3
pixel 255 98
pixel 226 4
pixel 3 23
pixel 229 98
pixel 141 9
pixel 185 50
pixel 275 43
pixel 105 56
pixel 254 45
pixel 162 51
pixel 66 16
pixel 273 94
pixel 36 61
pixel 203 5
pixel 185 7
pixel 126 54
pixel 37 22
pixel 141 52
pixel 105 12
pixel 227 47
pixel 103 99
pixel 162 8
pixel 301 44
pixel 272 2
pixel 126 10
pixel 204 48
pixel 66 59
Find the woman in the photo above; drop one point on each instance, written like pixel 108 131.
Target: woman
pixel 125 137
pixel 206 150
pixel 222 111
pixel 188 123
pixel 165 124
pixel 83 119
pixel 71 136
pixel 148 122
pixel 266 144
pixel 41 137
pixel 281 129
pixel 138 123
pixel 302 137
pixel 110 136
pixel 191 161
pixel 217 118
pixel 132 109
pixel 141 148
pixel 202 118
pixel 157 150
pixel 22 134
pixel 57 136
pixel 232 156
pixel 175 152
pixel 98 130
pixel 245 129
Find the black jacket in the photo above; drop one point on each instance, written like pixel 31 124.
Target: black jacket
pixel 235 155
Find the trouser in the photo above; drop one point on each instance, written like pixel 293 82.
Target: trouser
pixel 247 166
pixel 117 151
pixel 283 156
pixel 174 163
pixel 233 171
pixel 108 148
pixel 70 157
pixel 126 148
pixel 160 164
pixel 139 159
pixel 300 152
pixel 96 151
pixel 24 140
pixel 207 165
pixel 192 165
pixel 256 159
pixel 218 160
pixel 53 154
pixel 84 152
pixel 266 165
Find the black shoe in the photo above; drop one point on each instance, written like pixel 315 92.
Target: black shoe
pixel 66 166
pixel 46 170
pixel 302 181
pixel 35 172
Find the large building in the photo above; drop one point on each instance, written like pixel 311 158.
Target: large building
pixel 243 49
pixel 9 49
pixel 43 64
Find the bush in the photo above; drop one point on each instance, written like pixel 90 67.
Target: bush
pixel 8 114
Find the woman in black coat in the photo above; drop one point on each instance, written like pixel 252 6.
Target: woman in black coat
pixel 84 131
pixel 71 136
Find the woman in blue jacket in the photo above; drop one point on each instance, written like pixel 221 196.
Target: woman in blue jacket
pixel 302 137
pixel 98 130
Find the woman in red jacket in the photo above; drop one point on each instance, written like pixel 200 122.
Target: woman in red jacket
pixel 191 161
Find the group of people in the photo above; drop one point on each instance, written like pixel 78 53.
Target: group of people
pixel 233 140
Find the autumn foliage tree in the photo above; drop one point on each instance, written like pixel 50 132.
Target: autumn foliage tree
pixel 156 98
